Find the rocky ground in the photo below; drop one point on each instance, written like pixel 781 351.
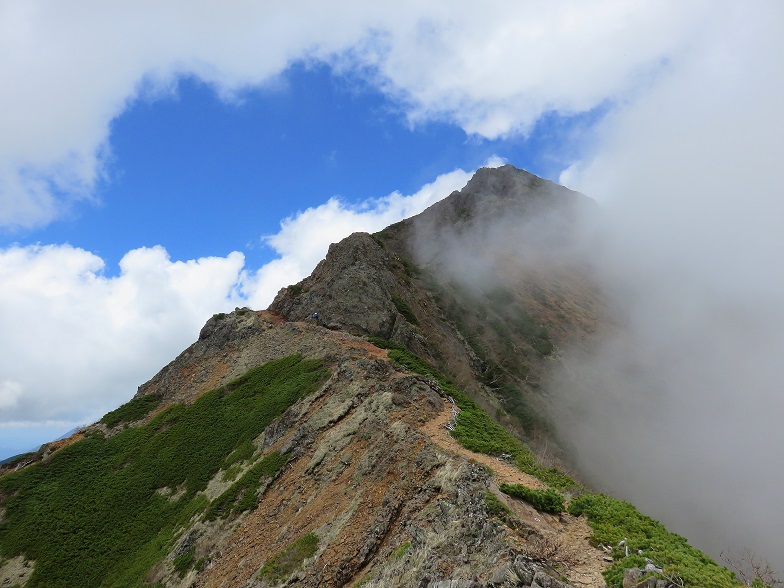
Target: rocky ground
pixel 394 500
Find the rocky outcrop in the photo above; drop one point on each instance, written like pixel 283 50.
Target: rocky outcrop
pixel 352 289
pixel 389 505
pixel 382 500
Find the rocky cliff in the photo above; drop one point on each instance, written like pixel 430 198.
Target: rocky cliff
pixel 363 448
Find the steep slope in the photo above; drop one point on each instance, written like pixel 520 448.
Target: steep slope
pixel 363 469
pixel 487 285
pixel 358 451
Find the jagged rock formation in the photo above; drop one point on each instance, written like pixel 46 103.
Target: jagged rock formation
pixel 485 284
pixel 388 503
pixel 345 474
pixel 352 289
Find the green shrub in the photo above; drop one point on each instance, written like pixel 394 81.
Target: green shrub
pixel 389 232
pixel 614 520
pixel 91 516
pixel 242 495
pixel 401 550
pixel 282 565
pixel 409 268
pixel 131 411
pixel 384 344
pixel 243 452
pixel 545 500
pixel 404 309
pixel 231 473
pixel 295 289
pixel 495 507
pixel 182 563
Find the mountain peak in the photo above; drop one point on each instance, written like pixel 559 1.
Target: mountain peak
pixel 359 448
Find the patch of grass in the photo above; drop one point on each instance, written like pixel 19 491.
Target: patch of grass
pixel 91 516
pixel 295 289
pixel 232 472
pixel 401 550
pixel 614 520
pixel 409 268
pixel 242 495
pixel 183 562
pixel 219 316
pixel 545 500
pixel 131 411
pixel 404 309
pixel 282 565
pixel 389 232
pixel 243 452
pixel 495 507
pixel 475 429
pixel 384 344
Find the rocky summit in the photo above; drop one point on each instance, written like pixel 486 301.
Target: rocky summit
pixel 384 423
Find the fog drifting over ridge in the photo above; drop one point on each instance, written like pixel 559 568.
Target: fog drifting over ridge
pixel 680 409
pixel 676 405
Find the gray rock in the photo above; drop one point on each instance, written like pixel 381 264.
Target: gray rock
pixel 523 569
pixel 351 288
pixel 631 577
pixel 546 581
pixel 652 568
pixel 500 575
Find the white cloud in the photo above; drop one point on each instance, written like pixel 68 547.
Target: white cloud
pixel 77 344
pixel 304 238
pixel 10 392
pixel 687 395
pixel 68 70
pixel 99 337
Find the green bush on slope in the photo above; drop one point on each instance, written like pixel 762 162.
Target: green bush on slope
pixel 131 411
pixel 614 520
pixel 91 516
pixel 242 494
pixel 282 565
pixel 545 500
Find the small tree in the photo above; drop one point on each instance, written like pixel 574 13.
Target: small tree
pixel 753 570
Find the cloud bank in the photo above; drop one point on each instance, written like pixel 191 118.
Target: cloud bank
pixel 494 69
pixel 77 344
pixel 680 410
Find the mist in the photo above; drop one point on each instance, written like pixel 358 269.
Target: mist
pixel 679 407
pixel 676 401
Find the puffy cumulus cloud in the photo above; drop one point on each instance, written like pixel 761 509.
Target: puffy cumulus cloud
pixel 494 69
pixel 100 337
pixel 304 238
pixel 77 343
pixel 680 410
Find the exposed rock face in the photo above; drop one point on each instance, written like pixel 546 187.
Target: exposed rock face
pixel 350 289
pixel 369 474
pixel 389 505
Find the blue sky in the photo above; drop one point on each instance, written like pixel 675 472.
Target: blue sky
pixel 160 162
pixel 202 176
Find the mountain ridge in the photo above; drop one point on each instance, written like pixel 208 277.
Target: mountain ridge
pixel 363 448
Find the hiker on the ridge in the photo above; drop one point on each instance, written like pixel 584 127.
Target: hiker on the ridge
pixel 315 318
